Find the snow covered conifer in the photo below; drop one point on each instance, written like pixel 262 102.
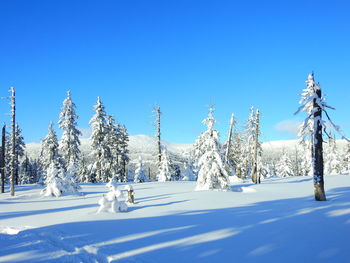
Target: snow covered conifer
pixel 332 160
pixel 187 173
pixel 212 173
pixel 237 154
pixel 49 149
pixel 70 141
pixel 228 147
pixel 26 172
pixel 123 144
pixel 83 172
pixel 313 103
pixel 284 166
pixel 57 181
pixel 99 143
pixel 140 172
pixel 346 159
pixel 164 169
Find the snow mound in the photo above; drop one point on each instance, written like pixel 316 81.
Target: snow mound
pixel 244 189
pixel 12 230
pixel 234 179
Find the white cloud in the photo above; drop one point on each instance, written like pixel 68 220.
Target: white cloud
pixel 288 126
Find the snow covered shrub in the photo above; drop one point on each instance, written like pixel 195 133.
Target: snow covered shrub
pixel 140 173
pixel 112 201
pixel 58 183
pixel 188 174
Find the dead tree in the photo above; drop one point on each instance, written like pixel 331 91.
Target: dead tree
pixel 229 139
pixel 2 159
pixel 13 150
pixel 256 174
pixel 158 113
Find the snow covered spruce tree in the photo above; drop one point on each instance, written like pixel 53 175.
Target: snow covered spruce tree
pixel 19 152
pixel 123 146
pixel 212 173
pixel 70 142
pixel 56 181
pixel 284 166
pixel 237 154
pixel 252 150
pixel 140 172
pixel 25 174
pixel 164 169
pixel 346 160
pixel 187 173
pixel 313 103
pixel 332 160
pixel 228 146
pixel 100 148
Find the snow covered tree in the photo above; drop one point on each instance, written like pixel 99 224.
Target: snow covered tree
pixel 157 111
pixel 212 173
pixel 313 103
pixel 237 155
pixel 123 145
pixel 57 181
pixel 26 175
pixel 100 149
pixel 19 151
pixel 49 150
pixel 83 172
pixel 176 172
pixel 296 161
pixel 140 172
pixel 306 164
pixel 228 146
pixel 257 150
pixel 346 159
pixel 113 138
pixel 251 150
pixel 332 158
pixel 70 142
pixel 164 169
pixel 187 173
pixel 284 166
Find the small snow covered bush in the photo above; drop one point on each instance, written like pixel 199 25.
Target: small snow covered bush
pixel 113 201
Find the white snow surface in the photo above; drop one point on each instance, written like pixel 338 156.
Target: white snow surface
pixel 276 221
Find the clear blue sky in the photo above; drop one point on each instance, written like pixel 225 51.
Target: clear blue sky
pixel 181 55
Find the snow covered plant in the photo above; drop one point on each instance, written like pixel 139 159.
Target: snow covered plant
pixel 212 173
pixel 112 201
pixel 188 174
pixel 57 181
pixel 140 173
pixel 164 169
pixel 313 104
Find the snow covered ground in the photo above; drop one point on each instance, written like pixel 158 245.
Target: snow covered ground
pixel 277 221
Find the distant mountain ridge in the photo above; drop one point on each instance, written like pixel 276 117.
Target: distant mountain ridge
pixel 146 147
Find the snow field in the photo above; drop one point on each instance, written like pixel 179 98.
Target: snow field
pixel 170 222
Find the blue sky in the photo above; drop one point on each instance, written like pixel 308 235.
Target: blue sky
pixel 181 55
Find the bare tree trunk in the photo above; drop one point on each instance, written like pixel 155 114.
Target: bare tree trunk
pixel 317 150
pixel 255 178
pixel 2 159
pixel 13 112
pixel 157 110
pixel 229 139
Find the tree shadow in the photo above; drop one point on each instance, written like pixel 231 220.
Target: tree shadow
pixel 286 230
